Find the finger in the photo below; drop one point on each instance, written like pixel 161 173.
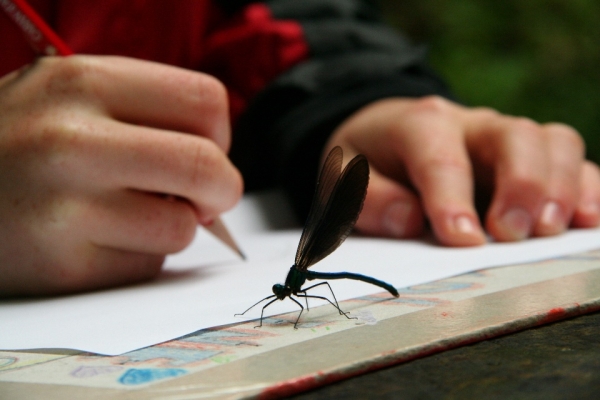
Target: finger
pixel 517 152
pixel 104 268
pixel 112 154
pixel 566 152
pixel 146 93
pixel 390 209
pixel 119 268
pixel 587 211
pixel 439 167
pixel 141 222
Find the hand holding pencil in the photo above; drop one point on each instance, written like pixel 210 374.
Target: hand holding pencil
pixel 89 147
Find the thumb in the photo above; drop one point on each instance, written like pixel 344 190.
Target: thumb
pixel 390 209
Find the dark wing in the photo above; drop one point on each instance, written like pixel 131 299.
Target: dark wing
pixel 337 203
pixel 328 177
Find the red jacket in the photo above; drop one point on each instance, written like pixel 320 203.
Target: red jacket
pixel 294 69
pixel 245 52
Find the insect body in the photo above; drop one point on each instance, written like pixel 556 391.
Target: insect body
pixel 338 200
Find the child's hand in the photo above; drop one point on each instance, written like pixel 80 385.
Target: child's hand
pixel 429 155
pixel 107 164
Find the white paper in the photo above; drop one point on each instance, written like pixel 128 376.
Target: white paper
pixel 206 284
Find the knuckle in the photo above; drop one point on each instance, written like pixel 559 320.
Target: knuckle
pixel 209 96
pixel 446 163
pixel 42 141
pixel 526 126
pixel 518 131
pixel 209 92
pixel 592 169
pixel 58 140
pixel 67 75
pixel 449 162
pixel 486 113
pixel 522 181
pixel 206 158
pixel 431 104
pixel 566 134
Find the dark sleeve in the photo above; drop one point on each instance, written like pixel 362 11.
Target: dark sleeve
pixel 353 59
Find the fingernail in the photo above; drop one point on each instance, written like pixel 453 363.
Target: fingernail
pixel 464 224
pixel 551 215
pixel 517 223
pixel 396 217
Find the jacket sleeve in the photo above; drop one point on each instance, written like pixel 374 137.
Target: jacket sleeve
pixel 342 58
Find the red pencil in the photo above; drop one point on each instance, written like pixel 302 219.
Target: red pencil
pixel 40 36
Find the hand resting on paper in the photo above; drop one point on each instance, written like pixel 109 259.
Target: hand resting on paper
pixel 89 146
pixel 429 155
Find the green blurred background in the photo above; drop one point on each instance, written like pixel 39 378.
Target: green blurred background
pixel 535 58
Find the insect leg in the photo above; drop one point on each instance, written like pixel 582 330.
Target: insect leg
pixel 336 305
pixel 301 309
pixel 255 304
pixel 263 310
pixel 345 314
pixel 305 298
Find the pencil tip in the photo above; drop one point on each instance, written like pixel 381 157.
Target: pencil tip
pixel 218 229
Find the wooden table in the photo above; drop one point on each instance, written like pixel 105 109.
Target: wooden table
pixel 556 361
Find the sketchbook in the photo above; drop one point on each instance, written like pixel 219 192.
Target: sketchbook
pixel 239 361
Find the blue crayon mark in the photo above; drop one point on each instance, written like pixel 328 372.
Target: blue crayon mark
pixel 177 357
pixel 6 361
pixel 221 337
pixel 135 376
